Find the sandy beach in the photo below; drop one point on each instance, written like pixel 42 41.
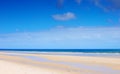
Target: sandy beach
pixel 30 63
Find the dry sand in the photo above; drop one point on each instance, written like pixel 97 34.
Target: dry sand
pixel 14 63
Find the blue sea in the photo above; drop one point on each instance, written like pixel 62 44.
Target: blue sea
pixel 75 52
pixel 68 50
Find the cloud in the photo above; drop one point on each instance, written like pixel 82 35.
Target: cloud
pixel 98 4
pixel 80 37
pixel 114 22
pixel 119 20
pixel 115 4
pixel 78 1
pixel 108 5
pixel 60 3
pixel 64 17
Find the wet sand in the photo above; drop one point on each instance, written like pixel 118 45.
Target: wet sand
pixel 27 63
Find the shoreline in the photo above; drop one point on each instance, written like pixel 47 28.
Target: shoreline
pixel 61 64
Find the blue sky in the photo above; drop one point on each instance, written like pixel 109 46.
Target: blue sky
pixel 80 24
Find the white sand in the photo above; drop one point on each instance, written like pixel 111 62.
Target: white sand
pixel 13 68
pixel 57 64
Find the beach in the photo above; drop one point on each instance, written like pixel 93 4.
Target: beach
pixel 37 63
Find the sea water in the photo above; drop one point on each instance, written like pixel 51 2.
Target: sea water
pixel 75 52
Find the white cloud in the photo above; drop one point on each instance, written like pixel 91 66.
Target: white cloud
pixel 64 17
pixel 79 37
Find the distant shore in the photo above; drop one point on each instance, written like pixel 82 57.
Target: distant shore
pixel 32 63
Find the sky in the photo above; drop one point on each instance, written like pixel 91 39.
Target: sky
pixel 59 24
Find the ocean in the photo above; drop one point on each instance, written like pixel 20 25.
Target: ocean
pixel 67 50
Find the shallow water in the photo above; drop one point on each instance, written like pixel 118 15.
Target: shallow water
pixel 97 68
pixel 68 53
